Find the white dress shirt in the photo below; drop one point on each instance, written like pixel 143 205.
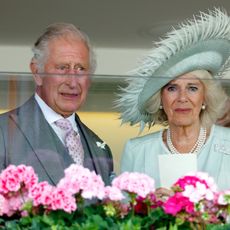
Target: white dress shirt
pixel 51 116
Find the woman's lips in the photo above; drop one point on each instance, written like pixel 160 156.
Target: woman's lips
pixel 182 110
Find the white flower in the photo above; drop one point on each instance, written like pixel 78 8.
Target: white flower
pixel 101 144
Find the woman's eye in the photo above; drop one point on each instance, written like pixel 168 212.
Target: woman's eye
pixel 171 88
pixel 193 88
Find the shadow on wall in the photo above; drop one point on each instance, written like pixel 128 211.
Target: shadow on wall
pixel 108 127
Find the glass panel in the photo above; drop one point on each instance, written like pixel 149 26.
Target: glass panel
pixel 98 112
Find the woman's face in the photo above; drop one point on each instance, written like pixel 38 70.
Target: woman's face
pixel 182 99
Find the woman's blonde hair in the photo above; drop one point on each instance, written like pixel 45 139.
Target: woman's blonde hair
pixel 215 99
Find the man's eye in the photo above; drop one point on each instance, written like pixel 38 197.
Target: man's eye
pixel 62 67
pixel 80 68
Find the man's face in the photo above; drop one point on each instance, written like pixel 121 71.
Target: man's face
pixel 66 90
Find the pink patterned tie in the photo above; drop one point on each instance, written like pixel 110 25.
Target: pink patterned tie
pixel 72 141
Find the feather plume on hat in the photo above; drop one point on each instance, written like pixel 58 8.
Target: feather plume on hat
pixel 200 43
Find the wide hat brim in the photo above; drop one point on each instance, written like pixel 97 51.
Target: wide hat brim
pixel 208 55
pixel 202 43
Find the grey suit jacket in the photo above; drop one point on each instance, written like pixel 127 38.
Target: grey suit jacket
pixel 27 138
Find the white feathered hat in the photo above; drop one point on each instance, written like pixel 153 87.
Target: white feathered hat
pixel 201 43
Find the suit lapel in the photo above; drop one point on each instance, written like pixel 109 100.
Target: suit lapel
pixel 42 139
pixel 91 149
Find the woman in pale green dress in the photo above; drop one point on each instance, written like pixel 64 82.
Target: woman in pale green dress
pixel 174 87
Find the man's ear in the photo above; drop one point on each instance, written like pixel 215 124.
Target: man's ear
pixel 34 70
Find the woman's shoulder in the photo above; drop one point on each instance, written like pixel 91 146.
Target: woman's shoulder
pixel 220 135
pixel 147 138
pixel 221 131
pixel 141 144
pixel 220 140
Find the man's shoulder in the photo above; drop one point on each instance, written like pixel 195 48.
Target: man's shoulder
pixel 5 115
pixel 24 110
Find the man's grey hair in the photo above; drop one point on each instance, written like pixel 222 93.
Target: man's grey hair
pixel 40 48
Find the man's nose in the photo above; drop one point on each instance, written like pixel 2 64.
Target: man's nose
pixel 72 79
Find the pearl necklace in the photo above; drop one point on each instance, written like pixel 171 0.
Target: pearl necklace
pixel 195 149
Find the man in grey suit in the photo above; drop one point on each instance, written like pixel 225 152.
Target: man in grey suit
pixel 61 66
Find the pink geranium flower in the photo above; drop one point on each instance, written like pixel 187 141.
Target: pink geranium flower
pixel 197 186
pixel 178 203
pixel 52 198
pixel 41 194
pixel 4 206
pixel 113 193
pixel 133 182
pixel 195 198
pixel 15 183
pixel 81 180
pixel 63 200
pixel 14 178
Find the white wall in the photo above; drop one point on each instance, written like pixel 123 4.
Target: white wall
pixel 110 61
pixel 15 58
pixel 117 61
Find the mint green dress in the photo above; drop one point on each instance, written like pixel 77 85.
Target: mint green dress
pixel 141 155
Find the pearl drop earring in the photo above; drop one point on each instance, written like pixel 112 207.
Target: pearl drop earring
pixel 161 107
pixel 203 107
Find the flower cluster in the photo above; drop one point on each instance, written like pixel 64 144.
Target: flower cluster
pixel 130 202
pixel 19 184
pixel 15 183
pixel 196 199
